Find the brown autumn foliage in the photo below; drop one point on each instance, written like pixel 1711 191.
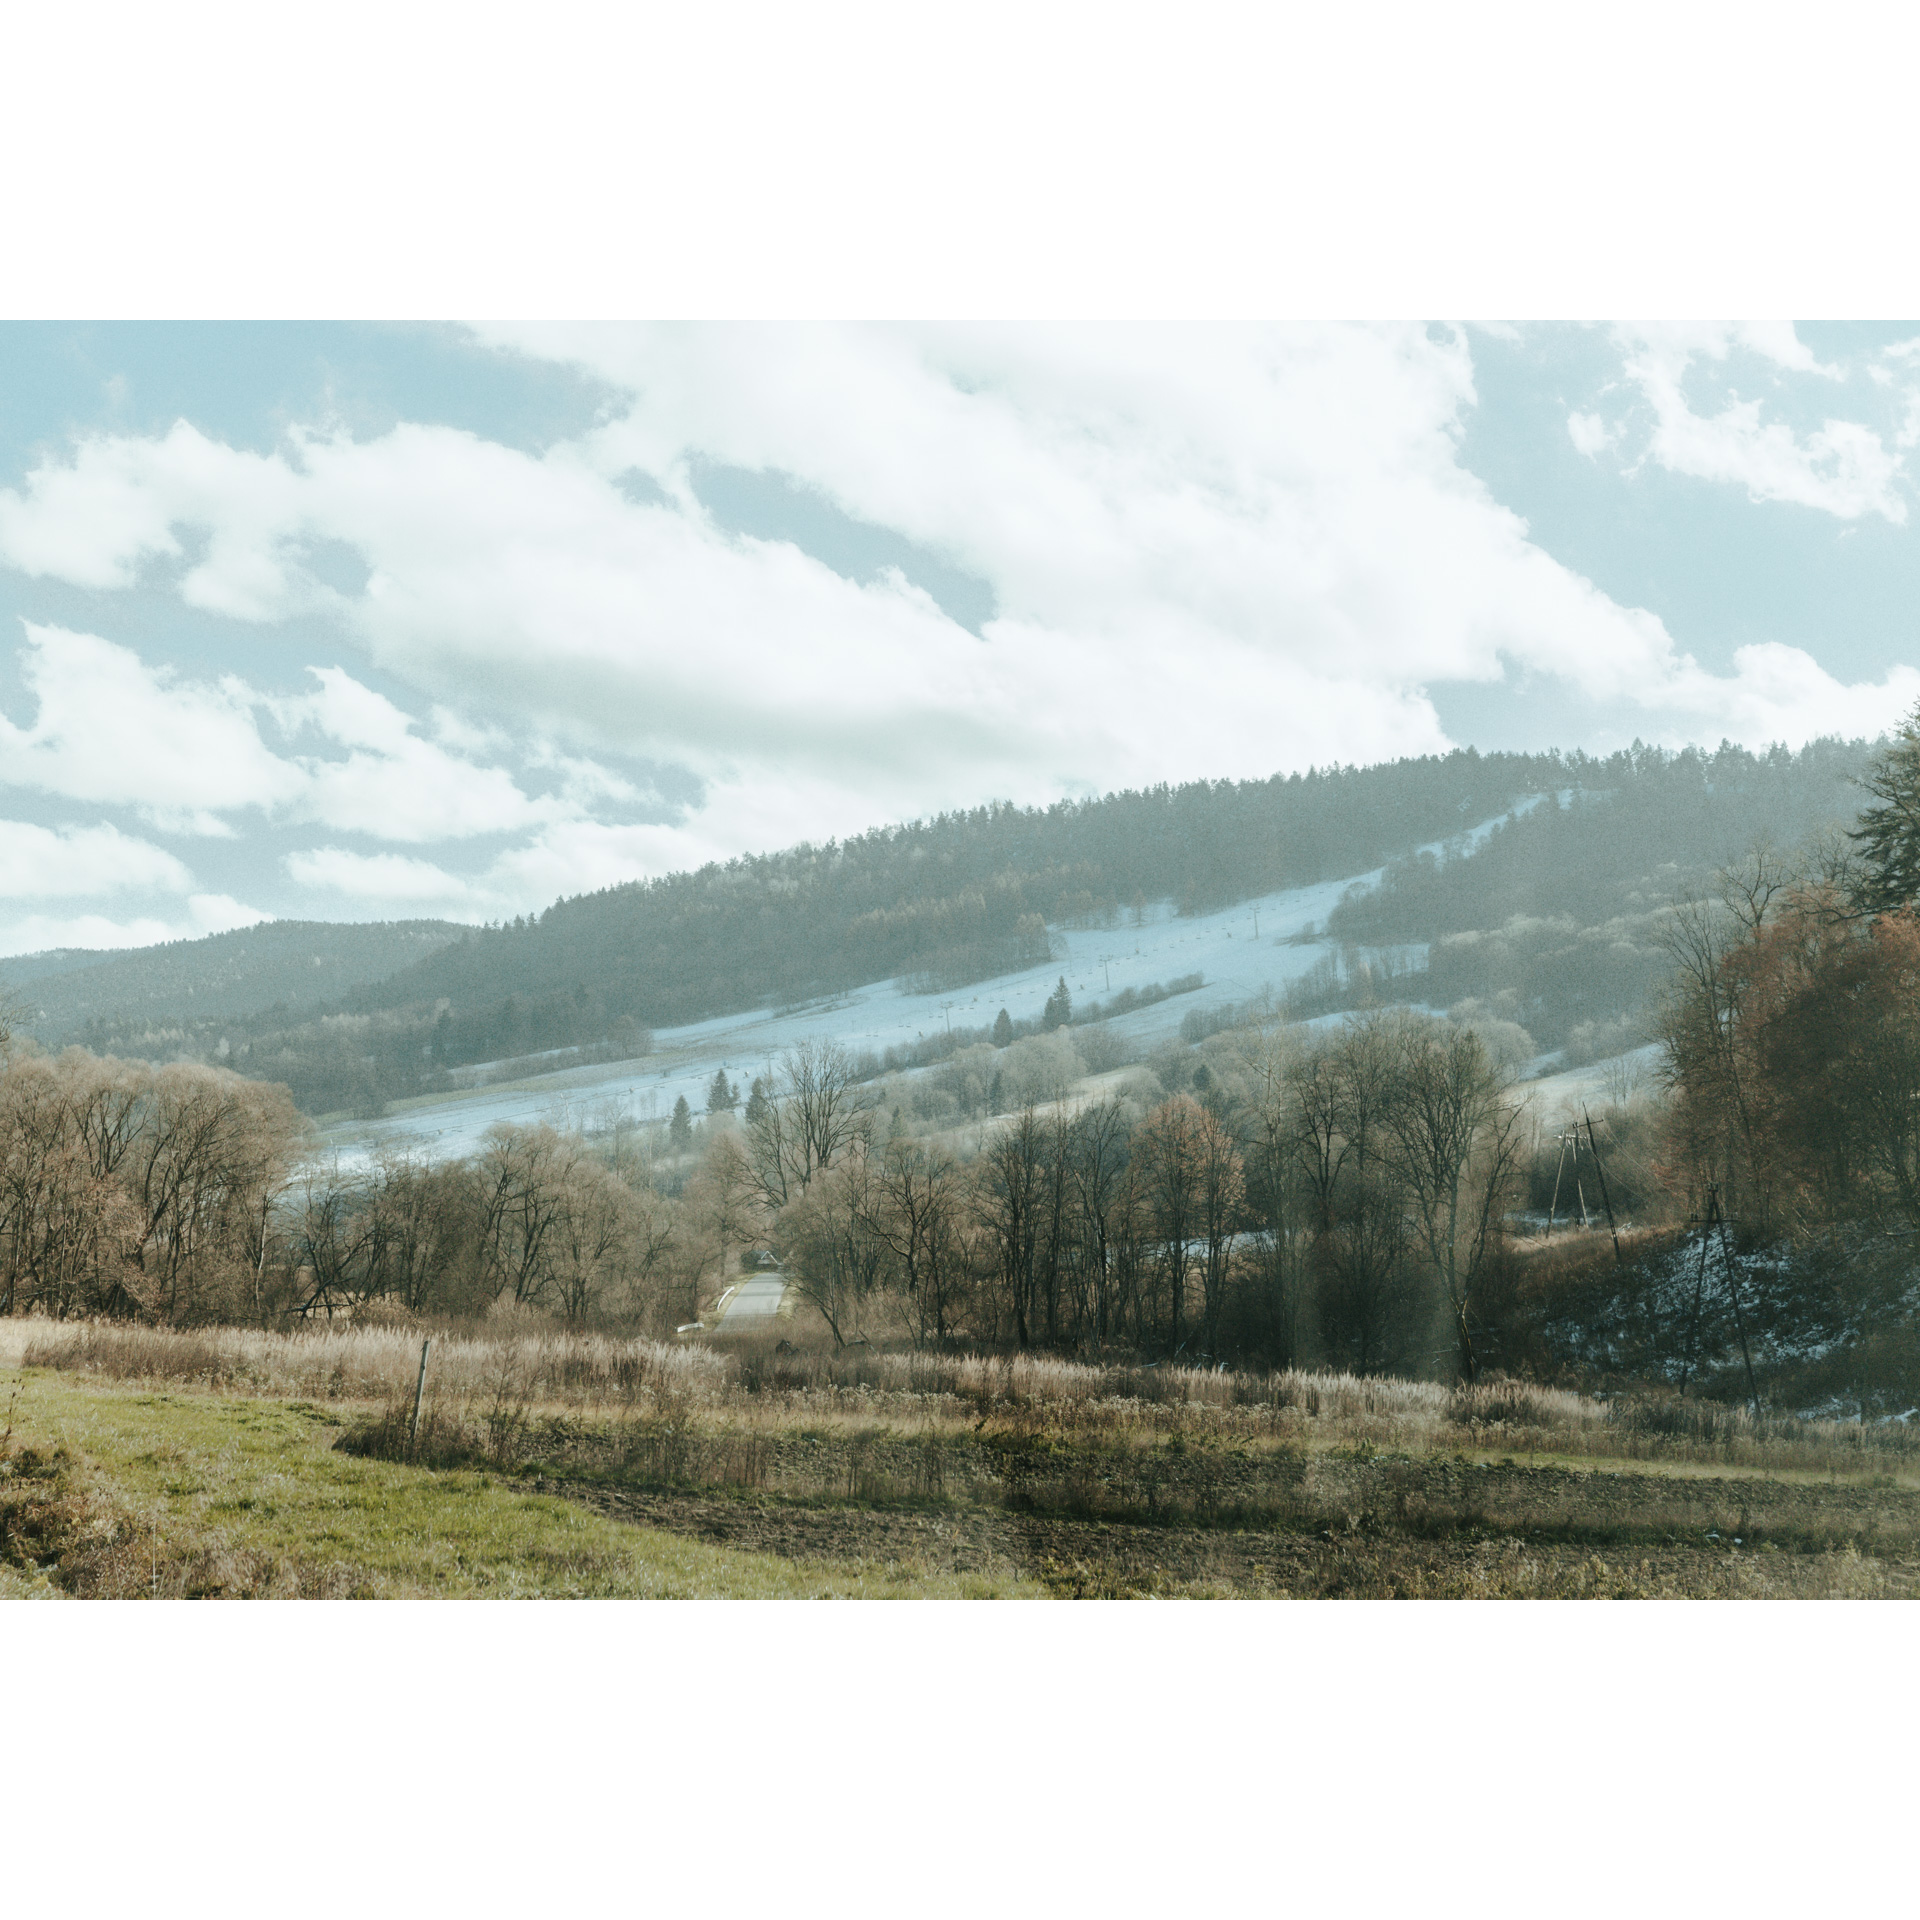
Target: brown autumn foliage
pixel 132 1189
pixel 1795 1062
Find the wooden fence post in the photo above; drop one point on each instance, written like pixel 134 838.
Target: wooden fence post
pixel 419 1387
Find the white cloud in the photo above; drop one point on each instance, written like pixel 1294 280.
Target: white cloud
pixel 1841 468
pixel 120 502
pixel 204 913
pixel 187 754
pixel 112 730
pixel 1214 552
pixel 394 784
pixel 1589 433
pixel 73 862
pixel 1782 693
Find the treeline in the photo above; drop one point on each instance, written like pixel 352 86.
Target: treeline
pixel 941 902
pixel 1790 1027
pixel 1793 1026
pixel 535 1220
pixel 357 1062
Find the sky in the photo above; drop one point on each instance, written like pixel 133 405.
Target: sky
pixel 363 622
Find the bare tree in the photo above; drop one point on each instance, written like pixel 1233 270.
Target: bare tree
pixel 523 1172
pixel 813 1114
pixel 918 1188
pixel 427 1250
pixel 330 1243
pixel 1053 1253
pixel 1454 1141
pixel 1172 1150
pixel 1280 1142
pixel 829 1244
pixel 724 1204
pixel 1099 1160
pixel 1345 1090
pixel 1222 1193
pixel 1709 1065
pixel 64 1227
pixel 1008 1201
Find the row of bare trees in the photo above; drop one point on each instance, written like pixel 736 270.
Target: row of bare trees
pixel 1343 1198
pixel 1339 1198
pixel 535 1219
pixel 186 1193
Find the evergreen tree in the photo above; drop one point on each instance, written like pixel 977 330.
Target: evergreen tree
pixel 756 1101
pixel 1003 1030
pixel 1888 835
pixel 721 1096
pixel 680 1127
pixel 1059 1007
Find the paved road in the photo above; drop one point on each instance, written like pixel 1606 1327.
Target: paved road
pixel 755 1302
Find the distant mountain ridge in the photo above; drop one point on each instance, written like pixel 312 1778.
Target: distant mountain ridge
pixel 301 965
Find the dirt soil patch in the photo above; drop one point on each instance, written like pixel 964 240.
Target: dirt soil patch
pixel 1097 1559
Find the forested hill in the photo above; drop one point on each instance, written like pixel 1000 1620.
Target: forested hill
pixel 1623 836
pixel 298 966
pixel 959 897
pixel 1554 922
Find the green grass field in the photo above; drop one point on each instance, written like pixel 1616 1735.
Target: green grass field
pixel 173 1493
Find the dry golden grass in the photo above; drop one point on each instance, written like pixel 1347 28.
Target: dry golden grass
pixel 205 1462
pixel 746 1384
pixel 347 1362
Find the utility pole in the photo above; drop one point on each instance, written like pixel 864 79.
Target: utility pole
pixel 1612 1225
pixel 1570 1139
pixel 1714 1225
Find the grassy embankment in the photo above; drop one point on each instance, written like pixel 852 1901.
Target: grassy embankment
pixel 255 1463
pixel 221 1488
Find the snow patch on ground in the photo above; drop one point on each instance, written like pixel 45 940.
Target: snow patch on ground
pixel 1242 951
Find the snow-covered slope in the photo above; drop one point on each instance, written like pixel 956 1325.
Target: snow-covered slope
pixel 1240 951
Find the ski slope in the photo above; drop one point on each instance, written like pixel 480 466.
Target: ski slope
pixel 1240 950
